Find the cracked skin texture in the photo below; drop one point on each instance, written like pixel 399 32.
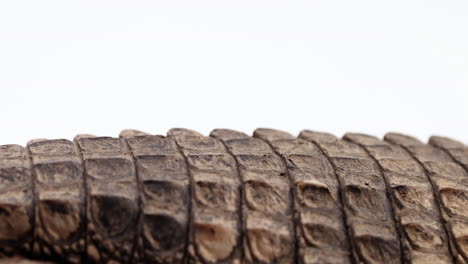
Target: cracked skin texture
pixel 229 197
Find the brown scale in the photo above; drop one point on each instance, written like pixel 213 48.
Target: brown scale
pixel 16 201
pixel 423 236
pixel 60 200
pixel 266 204
pixel 320 228
pixel 450 183
pixel 215 227
pixel 164 185
pixel 112 199
pixel 372 230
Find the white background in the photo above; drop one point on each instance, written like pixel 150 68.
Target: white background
pixel 69 67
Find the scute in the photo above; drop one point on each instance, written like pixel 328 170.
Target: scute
pixel 113 214
pixel 268 246
pixel 60 219
pixel 214 242
pixel 14 222
pixel 163 232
